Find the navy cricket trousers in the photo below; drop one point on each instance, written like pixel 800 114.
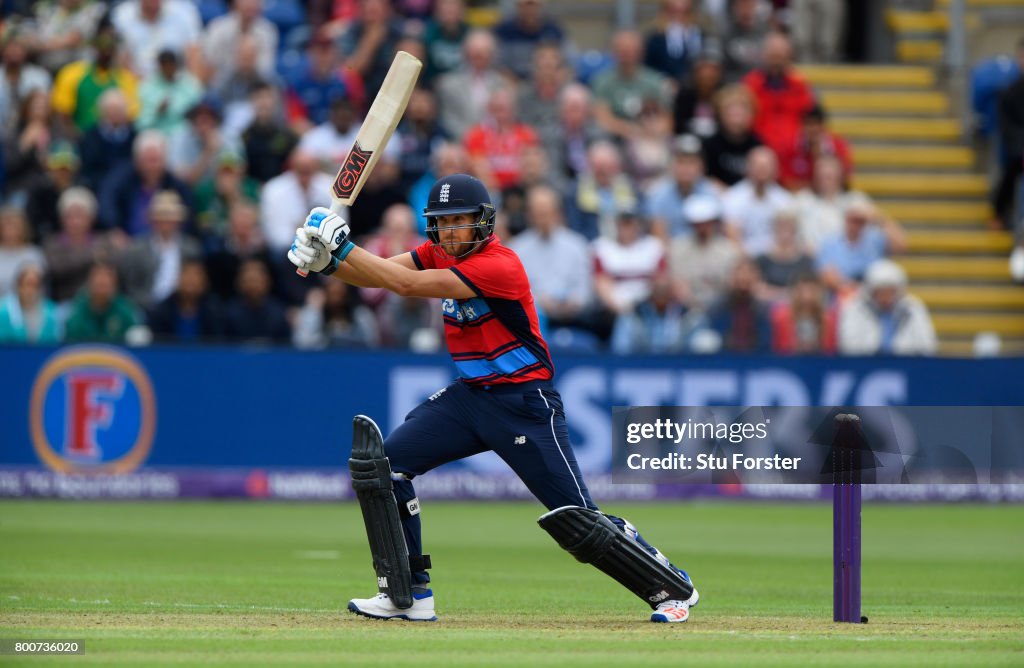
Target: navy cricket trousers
pixel 523 423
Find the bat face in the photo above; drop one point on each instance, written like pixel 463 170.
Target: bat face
pixel 351 171
pixel 378 126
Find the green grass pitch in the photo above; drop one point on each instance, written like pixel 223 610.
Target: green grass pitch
pixel 244 584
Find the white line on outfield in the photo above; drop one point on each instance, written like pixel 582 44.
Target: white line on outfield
pixel 223 606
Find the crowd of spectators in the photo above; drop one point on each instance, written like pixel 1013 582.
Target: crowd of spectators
pixel 158 155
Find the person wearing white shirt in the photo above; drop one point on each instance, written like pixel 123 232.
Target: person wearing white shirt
pixel 286 199
pixel 330 142
pixel 557 260
pixel 222 36
pixel 148 27
pixel 750 206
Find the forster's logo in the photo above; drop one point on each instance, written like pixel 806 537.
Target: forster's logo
pixel 92 411
pixel 443 197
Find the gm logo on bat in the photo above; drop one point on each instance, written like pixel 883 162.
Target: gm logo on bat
pixel 350 172
pixel 92 410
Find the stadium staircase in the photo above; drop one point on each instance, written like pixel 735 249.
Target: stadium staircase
pixel 913 156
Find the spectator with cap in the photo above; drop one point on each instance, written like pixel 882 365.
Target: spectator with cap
pixel 868 236
pixel 370 43
pixel 751 205
pixel 577 131
pixel 268 141
pixel 151 264
pixel 815 141
pixel 600 194
pixel 443 39
pixel 665 201
pixel 255 315
pixel 71 251
pixel 107 146
pixel 743 37
pixel 316 85
pixel 495 145
pixel 619 93
pixel 805 323
pixel 693 110
pixel 701 263
pixel 193 150
pixel 63 29
pixel 741 319
pixel 626 265
pixel 79 85
pixel 286 199
pixel 221 39
pixel 42 196
pixel 884 319
pixel 18 77
pixel 558 261
pixel 148 27
pixel 782 95
pixel 16 248
pixel 26 314
pixel 101 313
pixel 166 95
pixel 215 195
pixel 125 194
pixel 673 46
pixel 787 259
pixel 725 152
pixel 191 314
pixel 463 94
pixel 519 35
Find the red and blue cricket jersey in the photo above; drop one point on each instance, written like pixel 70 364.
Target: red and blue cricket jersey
pixel 493 337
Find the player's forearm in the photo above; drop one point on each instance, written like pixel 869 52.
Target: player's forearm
pixel 378 272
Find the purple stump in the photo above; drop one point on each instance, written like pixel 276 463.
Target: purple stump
pixel 846 553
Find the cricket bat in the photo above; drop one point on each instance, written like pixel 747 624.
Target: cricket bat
pixel 380 123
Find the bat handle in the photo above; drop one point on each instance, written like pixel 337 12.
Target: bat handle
pixel 336 207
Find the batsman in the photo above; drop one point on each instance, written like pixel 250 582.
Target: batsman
pixel 503 401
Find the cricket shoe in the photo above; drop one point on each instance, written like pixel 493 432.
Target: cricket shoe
pixel 676 611
pixel 381 607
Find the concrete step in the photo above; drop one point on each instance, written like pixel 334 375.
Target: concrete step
pixel 913 156
pixel 956 269
pixel 962 324
pixel 930 185
pixel 920 50
pixel 869 76
pixel 895 128
pixel 927 23
pixel 885 102
pixel 971 242
pixel 971 297
pixel 938 212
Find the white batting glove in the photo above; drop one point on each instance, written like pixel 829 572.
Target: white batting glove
pixel 330 228
pixel 309 254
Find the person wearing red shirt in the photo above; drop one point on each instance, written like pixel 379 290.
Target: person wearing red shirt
pixel 503 401
pixel 495 146
pixel 796 164
pixel 783 96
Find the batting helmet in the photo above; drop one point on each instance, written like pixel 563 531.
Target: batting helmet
pixel 460 193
